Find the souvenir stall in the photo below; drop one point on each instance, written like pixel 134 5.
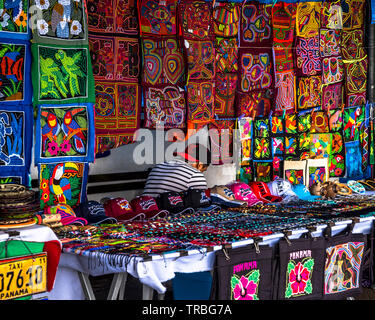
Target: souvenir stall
pixel 286 86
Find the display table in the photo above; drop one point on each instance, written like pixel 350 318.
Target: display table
pixel 72 282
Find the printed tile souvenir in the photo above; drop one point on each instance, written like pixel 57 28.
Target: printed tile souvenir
pixel 335 120
pixel 62 182
pixel 163 61
pixel 195 19
pixel 316 171
pixel 164 106
pixel 255 103
pixel 332 96
pixel 16 139
pixel 309 92
pixel 320 145
pixel 200 100
pixel 353 120
pixel 117 112
pixel 356 76
pixel 286 92
pixel 330 42
pixel 319 122
pixel 62 74
pixel 225 90
pixel 352 44
pixel 226 50
pixel 225 19
pixel 200 59
pixel 308 19
pixel 60 21
pixel 15 75
pixel 158 17
pixel 353 13
pixel 65 133
pixel 283 21
pixel 255 24
pixel 113 16
pixel 294 171
pixel 331 15
pixel 308 62
pixel 256 69
pixel 263 171
pixel 283 55
pixel 14 20
pixel 221 138
pixel 333 69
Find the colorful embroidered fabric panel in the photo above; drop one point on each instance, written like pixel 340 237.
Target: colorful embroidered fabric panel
pixel 226 50
pixel 356 81
pixel 332 96
pixel 283 55
pixel 14 20
pixel 262 147
pixel 245 127
pixel 195 19
pixel 307 52
pixel 16 141
pixel 330 43
pixel 331 15
pixel 115 58
pixel 344 257
pixel 263 171
pixel 62 74
pixel 117 112
pixel 63 182
pixel 256 70
pixel 225 19
pixel 255 24
pixel 225 90
pixel 163 61
pixel 200 59
pixel 255 103
pixel 353 119
pixel 353 14
pixel 286 92
pixel 352 44
pixel 65 133
pixel 309 92
pixel 164 106
pixel 308 19
pixel 15 75
pixel 158 17
pixel 333 69
pixel 200 100
pixel 112 16
pixel 60 21
pixel 283 21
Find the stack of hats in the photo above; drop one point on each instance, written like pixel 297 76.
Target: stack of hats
pixel 18 205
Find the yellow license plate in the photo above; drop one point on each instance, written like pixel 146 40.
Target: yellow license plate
pixel 23 276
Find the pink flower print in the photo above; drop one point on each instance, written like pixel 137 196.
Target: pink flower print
pixel 65 146
pixel 53 148
pixel 245 289
pixel 298 278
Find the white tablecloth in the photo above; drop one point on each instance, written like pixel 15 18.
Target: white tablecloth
pixel 162 268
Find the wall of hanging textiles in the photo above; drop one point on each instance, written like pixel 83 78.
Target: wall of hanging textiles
pixel 291 76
